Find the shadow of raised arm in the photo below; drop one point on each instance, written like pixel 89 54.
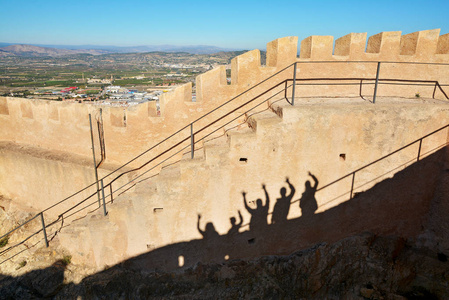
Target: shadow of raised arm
pixel 241 219
pixel 292 188
pixel 267 197
pixel 249 209
pixel 315 180
pixel 198 226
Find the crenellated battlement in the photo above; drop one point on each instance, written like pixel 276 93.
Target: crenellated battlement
pixel 246 70
pixel 128 132
pixel 420 46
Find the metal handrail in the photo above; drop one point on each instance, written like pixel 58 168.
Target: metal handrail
pixel 166 139
pixel 434 83
pixel 61 216
pixel 179 143
pixel 250 89
pixel 192 134
pixel 171 156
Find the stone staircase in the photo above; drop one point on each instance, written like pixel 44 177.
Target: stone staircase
pixel 125 231
pixel 277 141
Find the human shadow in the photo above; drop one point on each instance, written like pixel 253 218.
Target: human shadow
pixel 209 231
pixel 259 214
pixel 308 203
pixel 282 206
pixel 211 238
pixel 234 225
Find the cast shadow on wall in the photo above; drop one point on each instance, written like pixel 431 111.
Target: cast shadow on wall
pixel 397 205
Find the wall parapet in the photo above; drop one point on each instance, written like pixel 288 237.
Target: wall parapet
pixel 130 131
pixel 420 46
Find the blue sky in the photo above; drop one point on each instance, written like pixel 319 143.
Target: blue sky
pixel 230 24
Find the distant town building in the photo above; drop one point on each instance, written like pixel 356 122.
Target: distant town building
pixel 69 89
pixel 115 89
pixel 131 96
pixel 99 81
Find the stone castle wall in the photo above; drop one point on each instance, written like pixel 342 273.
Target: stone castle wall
pixel 308 139
pixel 128 132
pixel 331 141
pixel 64 127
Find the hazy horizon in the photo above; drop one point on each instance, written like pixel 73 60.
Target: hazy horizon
pixel 79 46
pixel 230 25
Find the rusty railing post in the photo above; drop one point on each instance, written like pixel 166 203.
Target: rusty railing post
pixel 294 83
pixel 377 82
pixel 95 163
pixel 110 188
pixel 192 142
pixel 285 89
pixel 43 229
pixel 104 202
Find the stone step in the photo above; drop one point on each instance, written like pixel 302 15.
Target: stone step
pixel 132 213
pixel 263 121
pixel 238 138
pixel 144 197
pixel 198 152
pixel 99 220
pixel 73 230
pixel 146 186
pixel 214 148
pixel 170 172
pixel 237 124
pixel 116 209
pixel 168 179
pixel 286 111
pixel 216 142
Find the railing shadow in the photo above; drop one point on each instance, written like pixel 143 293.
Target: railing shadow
pixel 418 157
pixel 393 206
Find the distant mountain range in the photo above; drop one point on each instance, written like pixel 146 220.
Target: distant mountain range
pixel 7 49
pixel 29 50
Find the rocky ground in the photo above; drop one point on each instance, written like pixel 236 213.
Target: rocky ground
pixel 19 258
pixel 359 267
pixel 365 266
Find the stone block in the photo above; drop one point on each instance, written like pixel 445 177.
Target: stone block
pixel 422 44
pixel 26 109
pixel 53 112
pixel 117 117
pixel 386 44
pixel 207 83
pixel 244 66
pixel 352 45
pixel 4 106
pixel 282 52
pixel 317 47
pixel 443 44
